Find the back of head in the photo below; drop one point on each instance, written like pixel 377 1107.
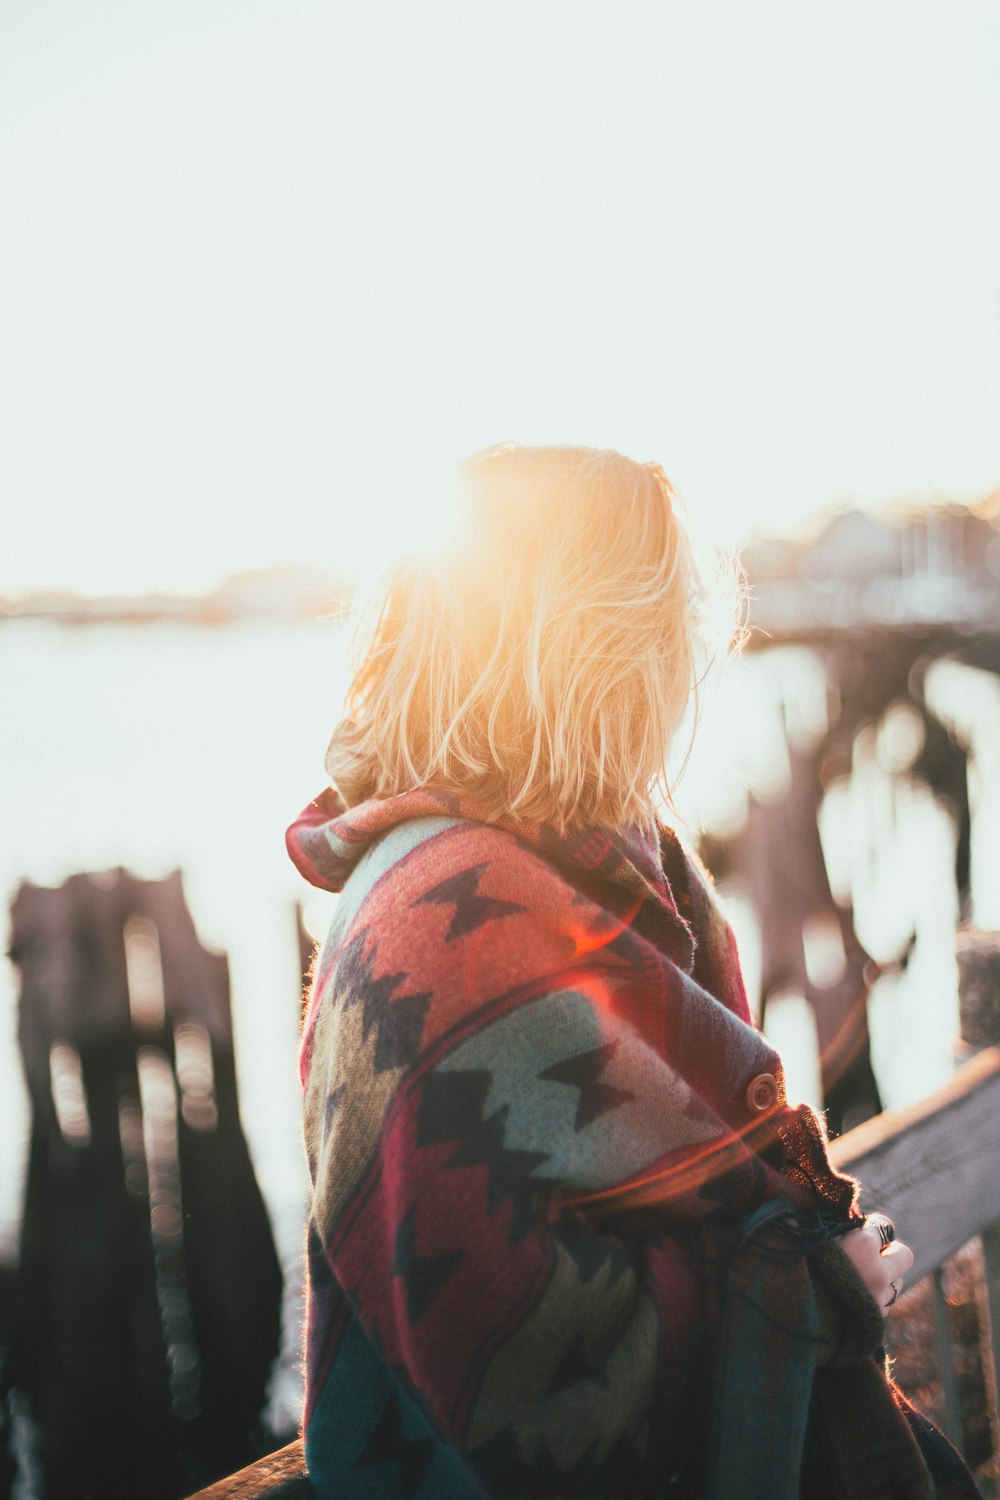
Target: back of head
pixel 544 662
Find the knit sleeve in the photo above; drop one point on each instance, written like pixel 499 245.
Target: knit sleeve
pixel 485 1108
pixel 851 1324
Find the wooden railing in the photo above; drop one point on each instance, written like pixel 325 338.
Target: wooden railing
pixel 935 1168
pixel 279 1476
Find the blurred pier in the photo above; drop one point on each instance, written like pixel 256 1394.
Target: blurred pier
pixel 867 822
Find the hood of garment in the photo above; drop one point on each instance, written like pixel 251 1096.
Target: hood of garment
pixel 623 868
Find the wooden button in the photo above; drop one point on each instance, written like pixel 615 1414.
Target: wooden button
pixel 762 1093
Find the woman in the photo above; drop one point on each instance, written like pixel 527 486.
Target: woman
pixel 567 1236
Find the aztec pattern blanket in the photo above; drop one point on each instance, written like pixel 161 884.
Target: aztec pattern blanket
pixel 567 1237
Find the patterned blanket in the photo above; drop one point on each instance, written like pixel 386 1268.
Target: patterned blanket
pixel 567 1237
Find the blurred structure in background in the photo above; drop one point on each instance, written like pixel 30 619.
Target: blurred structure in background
pixel 148 1289
pixel 899 618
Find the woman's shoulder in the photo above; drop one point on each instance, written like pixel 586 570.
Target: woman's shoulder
pixel 717 966
pixel 455 904
pixel 439 928
pixel 475 867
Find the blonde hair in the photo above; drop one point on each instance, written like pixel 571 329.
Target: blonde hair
pixel 544 663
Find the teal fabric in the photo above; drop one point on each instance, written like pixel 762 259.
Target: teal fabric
pixel 369 1438
pixel 767 1359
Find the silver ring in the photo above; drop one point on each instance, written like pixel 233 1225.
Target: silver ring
pixel 895 1292
pixel 886 1233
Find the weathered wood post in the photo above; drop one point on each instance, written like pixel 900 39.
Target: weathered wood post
pixel 978 954
pixel 148 1285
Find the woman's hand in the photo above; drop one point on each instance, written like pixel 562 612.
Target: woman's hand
pixel 878 1257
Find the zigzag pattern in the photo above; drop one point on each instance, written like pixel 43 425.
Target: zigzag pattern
pixel 574 1393
pixel 398 1019
pixel 583 1072
pixel 452 1109
pixel 423 1275
pixel 591 1252
pixel 471 909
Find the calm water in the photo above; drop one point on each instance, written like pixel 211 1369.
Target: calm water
pixel 164 746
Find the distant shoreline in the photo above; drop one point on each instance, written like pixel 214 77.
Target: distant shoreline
pixel 286 591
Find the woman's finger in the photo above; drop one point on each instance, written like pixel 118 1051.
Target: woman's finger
pixel 881 1266
pixel 898 1257
pixel 893 1263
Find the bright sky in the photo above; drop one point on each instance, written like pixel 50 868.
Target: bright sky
pixel 266 267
